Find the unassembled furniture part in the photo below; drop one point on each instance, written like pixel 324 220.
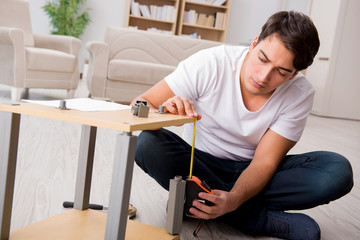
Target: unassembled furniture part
pixel 30 60
pixel 161 109
pixel 89 224
pixel 140 109
pixel 175 209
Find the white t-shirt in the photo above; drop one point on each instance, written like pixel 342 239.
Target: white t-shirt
pixel 211 80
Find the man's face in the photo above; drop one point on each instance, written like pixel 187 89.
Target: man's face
pixel 268 65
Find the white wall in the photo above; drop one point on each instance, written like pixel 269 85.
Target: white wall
pixel 103 13
pixel 245 20
pixel 39 21
pixel 248 16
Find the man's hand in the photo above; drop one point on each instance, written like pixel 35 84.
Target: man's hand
pixel 181 106
pixel 161 94
pixel 224 202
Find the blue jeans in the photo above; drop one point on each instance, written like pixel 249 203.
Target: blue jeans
pixel 302 181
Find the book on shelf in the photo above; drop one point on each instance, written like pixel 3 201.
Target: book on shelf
pixel 164 13
pixel 199 1
pixel 135 8
pixel 153 9
pixel 207 20
pixel 210 21
pixel 145 11
pixel 202 19
pixel 218 2
pixel 190 17
pixel 186 17
pixel 220 19
pixel 170 13
pixel 213 2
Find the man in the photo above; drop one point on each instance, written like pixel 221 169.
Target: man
pixel 252 104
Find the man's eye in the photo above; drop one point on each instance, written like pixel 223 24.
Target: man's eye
pixel 282 74
pixel 262 60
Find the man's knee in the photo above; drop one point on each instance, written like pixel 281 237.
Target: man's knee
pixel 339 175
pixel 344 172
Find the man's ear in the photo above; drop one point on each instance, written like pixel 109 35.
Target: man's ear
pixel 253 44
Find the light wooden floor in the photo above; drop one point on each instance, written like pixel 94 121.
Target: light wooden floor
pixel 47 163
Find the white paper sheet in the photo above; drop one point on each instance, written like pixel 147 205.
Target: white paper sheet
pixel 83 104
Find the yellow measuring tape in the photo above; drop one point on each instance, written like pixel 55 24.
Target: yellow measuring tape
pixel 192 151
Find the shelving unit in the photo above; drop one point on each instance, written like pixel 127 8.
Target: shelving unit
pixel 165 22
pixel 205 22
pixel 214 30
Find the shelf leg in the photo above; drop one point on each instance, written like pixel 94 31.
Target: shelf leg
pixel 120 186
pixel 9 132
pixel 85 167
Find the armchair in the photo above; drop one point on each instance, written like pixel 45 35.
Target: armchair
pixel 30 60
pixel 130 61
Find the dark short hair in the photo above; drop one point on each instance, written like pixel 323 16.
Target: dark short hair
pixel 297 32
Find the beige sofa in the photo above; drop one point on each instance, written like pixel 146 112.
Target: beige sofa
pixel 30 60
pixel 130 61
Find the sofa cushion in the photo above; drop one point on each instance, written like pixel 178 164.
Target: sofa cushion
pixel 152 47
pixel 138 72
pixel 49 60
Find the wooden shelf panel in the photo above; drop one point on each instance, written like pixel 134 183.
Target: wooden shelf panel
pixel 88 224
pixel 151 19
pixel 203 27
pixel 207 5
pixel 157 2
pixel 202 9
pixel 204 33
pixel 143 24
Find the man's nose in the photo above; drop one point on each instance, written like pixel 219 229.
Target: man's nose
pixel 264 74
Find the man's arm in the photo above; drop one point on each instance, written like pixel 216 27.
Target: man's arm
pixel 270 151
pixel 156 95
pixel 161 94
